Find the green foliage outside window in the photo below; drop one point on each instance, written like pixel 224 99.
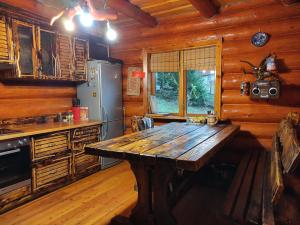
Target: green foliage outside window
pixel 199 91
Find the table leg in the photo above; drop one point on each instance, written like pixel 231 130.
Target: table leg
pixel 142 213
pixel 161 195
pixel 153 205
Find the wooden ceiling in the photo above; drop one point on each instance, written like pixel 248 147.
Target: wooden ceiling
pixel 139 12
pixel 167 9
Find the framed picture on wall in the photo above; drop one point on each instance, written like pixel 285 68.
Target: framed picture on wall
pixel 133 83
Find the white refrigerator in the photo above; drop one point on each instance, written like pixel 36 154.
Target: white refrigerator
pixel 102 94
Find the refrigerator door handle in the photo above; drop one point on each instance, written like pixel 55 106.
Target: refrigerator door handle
pixel 105 122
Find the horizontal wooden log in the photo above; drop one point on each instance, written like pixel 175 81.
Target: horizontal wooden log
pixel 26 92
pixel 289 2
pixel 248 16
pixel 286 61
pixel 256 112
pixel 285 43
pixel 128 98
pixel 129 57
pixel 131 10
pixel 258 130
pixel 33 107
pixel 280 26
pixel 133 109
pixel 250 143
pixel 289 97
pixel 206 8
pixel 232 81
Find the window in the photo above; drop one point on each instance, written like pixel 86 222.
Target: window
pixel 185 82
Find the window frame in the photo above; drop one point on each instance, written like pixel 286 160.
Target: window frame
pixel 149 80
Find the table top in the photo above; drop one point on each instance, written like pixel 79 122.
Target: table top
pixel 186 146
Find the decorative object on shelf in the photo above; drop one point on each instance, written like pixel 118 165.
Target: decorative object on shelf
pixel 212 118
pixel 84 113
pixel 196 120
pixel 261 71
pixel 265 89
pixel 267 86
pixel 245 88
pixel 133 82
pixel 260 39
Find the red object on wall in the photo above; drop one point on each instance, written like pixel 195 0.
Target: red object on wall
pixel 76 113
pixel 139 74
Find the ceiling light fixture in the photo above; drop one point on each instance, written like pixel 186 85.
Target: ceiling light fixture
pixel 86 19
pixel 111 34
pixel 69 25
pixel 87 14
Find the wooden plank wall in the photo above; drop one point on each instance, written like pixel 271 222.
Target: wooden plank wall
pixel 26 100
pixel 235 25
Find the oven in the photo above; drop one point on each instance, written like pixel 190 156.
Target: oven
pixel 15 165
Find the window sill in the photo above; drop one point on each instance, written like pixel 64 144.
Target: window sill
pixel 166 117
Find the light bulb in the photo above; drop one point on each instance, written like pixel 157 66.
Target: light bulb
pixel 203 71
pixel 86 19
pixel 69 25
pixel 212 72
pixel 111 34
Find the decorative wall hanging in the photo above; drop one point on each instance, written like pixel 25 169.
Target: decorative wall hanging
pixel 133 82
pixel 260 39
pixel 267 86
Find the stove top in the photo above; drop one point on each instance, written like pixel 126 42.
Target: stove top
pixel 5 131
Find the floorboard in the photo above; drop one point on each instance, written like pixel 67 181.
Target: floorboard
pixel 98 198
pixel 92 200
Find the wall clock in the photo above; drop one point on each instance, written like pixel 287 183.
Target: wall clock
pixel 260 39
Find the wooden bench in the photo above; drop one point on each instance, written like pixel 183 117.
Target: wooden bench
pixel 256 187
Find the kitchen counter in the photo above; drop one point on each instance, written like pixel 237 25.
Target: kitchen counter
pixel 35 129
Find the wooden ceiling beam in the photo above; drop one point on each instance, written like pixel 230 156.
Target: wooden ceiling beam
pixel 289 2
pixel 205 7
pixel 133 11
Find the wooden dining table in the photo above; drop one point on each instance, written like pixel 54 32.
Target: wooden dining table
pixel 156 155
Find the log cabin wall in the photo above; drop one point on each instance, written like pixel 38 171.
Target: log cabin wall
pixel 235 25
pixel 25 100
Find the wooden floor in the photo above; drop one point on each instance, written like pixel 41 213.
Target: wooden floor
pixel 101 196
pixel 92 200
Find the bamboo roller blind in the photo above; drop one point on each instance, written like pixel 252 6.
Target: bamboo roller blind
pixel 200 58
pixel 203 58
pixel 165 62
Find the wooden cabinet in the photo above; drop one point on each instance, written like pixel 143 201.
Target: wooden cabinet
pixel 65 54
pixel 12 194
pixel 57 159
pixel 6 48
pixel 84 163
pixel 51 173
pixel 47 57
pixel 24 39
pixel 42 54
pixel 50 145
pixel 81 48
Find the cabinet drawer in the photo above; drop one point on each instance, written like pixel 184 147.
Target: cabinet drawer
pixel 83 163
pixel 86 132
pixel 14 192
pixel 50 145
pixel 78 145
pixel 45 175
